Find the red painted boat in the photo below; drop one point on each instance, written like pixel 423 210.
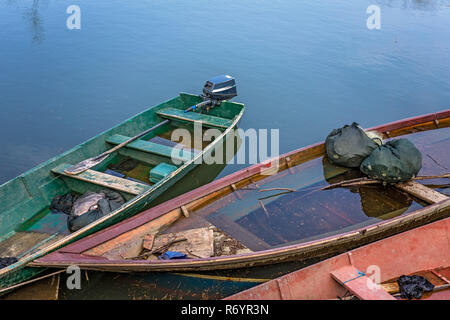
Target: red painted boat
pixel 267 226
pixel 423 251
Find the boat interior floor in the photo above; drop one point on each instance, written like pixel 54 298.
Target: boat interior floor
pixel 126 171
pixel 24 242
pixel 261 217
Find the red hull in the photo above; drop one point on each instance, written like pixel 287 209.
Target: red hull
pixel 423 248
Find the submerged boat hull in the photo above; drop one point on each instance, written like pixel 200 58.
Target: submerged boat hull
pixel 88 253
pixel 39 185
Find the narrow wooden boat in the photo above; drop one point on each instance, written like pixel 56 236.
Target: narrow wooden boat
pixel 369 272
pixel 29 230
pixel 256 222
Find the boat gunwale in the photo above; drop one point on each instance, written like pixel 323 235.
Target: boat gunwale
pixel 75 249
pixel 69 238
pixel 89 262
pixel 354 258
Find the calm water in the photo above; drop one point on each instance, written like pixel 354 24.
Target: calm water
pixel 302 66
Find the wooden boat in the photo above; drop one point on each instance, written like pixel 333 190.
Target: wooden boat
pixel 369 272
pixel 260 230
pixel 29 230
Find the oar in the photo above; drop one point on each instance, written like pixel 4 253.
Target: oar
pixel 91 162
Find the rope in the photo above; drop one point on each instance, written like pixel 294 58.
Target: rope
pixel 360 274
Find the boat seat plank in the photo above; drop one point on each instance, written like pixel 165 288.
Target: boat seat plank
pixel 361 286
pixel 422 192
pixel 104 180
pixel 151 147
pixel 194 117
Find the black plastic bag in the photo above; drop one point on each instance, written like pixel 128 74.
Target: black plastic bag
pixel 395 161
pixel 349 146
pixel 63 203
pixel 413 286
pixel 93 207
pixel 6 261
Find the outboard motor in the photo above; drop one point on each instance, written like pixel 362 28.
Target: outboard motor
pixel 220 88
pixel 216 90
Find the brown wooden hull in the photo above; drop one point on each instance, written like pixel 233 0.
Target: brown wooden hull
pixel 87 252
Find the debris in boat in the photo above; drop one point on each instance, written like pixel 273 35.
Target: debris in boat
pixel 194 243
pixel 87 208
pixel 159 250
pixel 272 189
pixel 88 201
pixel 148 241
pixel 114 173
pixel 63 203
pixel 413 286
pixel 397 160
pixel 365 181
pixel 169 255
pixel 106 203
pixel 224 245
pixel 125 165
pixel 6 261
pixel 349 146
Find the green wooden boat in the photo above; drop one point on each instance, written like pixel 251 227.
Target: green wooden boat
pixel 28 228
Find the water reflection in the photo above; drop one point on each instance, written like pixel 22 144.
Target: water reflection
pixel 33 16
pixel 376 201
pixel 423 5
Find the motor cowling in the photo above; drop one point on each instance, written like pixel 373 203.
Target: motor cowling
pixel 220 88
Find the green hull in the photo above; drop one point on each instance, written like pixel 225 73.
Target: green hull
pixel 25 200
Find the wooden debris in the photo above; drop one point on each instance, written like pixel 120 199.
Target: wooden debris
pixel 224 245
pixel 185 211
pixel 272 189
pixel 364 180
pixel 420 191
pixel 148 241
pixel 195 243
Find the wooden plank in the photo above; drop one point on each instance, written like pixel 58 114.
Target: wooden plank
pixel 204 119
pixel 360 285
pixel 422 192
pixel 148 241
pixel 104 180
pixel 199 242
pixel 151 147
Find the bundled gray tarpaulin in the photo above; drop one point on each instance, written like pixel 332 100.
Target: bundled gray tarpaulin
pixel 349 146
pixel 82 210
pixel 92 206
pixel 395 161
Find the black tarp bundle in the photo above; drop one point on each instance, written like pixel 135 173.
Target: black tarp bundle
pixel 395 161
pixel 349 146
pixel 6 261
pixel 413 286
pixel 85 209
pixel 63 203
